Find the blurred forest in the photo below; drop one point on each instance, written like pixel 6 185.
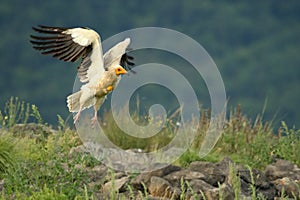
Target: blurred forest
pixel 255 44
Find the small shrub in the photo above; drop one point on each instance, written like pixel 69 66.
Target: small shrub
pixel 126 141
pixel 7 153
pixel 47 194
pixel 17 111
pixel 234 180
pixel 187 157
pixel 288 145
pixel 245 141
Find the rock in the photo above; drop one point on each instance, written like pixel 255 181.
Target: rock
pixel 224 165
pixel 212 180
pixel 99 196
pixel 150 197
pixel 198 185
pixel 267 192
pixel 98 172
pixel 291 188
pixel 118 185
pixel 282 168
pixel 32 130
pixel 165 170
pixel 261 183
pixel 259 177
pixel 140 181
pixel 159 187
pixel 212 174
pixel 144 178
pixel 185 174
pixel 99 169
pixel 285 176
pixel 224 192
pixel 210 192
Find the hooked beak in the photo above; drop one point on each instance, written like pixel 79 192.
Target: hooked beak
pixel 120 70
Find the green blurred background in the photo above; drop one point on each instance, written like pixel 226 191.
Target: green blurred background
pixel 255 44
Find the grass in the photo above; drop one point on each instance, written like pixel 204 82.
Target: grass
pixel 17 111
pixel 126 141
pixel 6 154
pixel 255 143
pixel 42 168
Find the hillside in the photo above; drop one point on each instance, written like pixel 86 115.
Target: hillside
pixel 255 46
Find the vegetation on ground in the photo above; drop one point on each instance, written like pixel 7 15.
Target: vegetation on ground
pixel 35 165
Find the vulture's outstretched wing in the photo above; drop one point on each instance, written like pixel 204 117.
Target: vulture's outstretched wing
pixel 117 55
pixel 71 44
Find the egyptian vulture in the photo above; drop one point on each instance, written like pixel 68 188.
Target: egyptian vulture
pixel 99 73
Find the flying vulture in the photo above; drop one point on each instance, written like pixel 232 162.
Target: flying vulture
pixel 99 73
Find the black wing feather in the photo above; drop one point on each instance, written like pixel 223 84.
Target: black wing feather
pixel 126 62
pixel 60 45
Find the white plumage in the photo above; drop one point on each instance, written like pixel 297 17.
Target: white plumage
pixel 100 74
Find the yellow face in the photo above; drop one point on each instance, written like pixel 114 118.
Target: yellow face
pixel 120 70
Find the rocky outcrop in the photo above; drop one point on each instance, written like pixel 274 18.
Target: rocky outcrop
pixel 201 180
pixel 31 130
pixel 205 180
pixel 285 176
